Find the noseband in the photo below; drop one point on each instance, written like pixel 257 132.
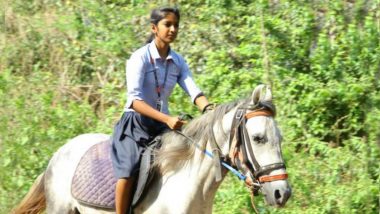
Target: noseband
pixel 241 151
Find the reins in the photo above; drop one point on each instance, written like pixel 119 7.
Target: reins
pixel 209 154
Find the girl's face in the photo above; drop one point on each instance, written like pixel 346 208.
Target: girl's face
pixel 167 28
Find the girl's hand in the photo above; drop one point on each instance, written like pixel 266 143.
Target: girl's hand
pixel 175 123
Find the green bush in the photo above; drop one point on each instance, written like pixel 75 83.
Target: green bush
pixel 62 74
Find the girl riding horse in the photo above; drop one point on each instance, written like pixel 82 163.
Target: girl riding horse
pixel 152 72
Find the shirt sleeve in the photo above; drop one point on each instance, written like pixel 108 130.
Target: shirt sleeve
pixel 187 82
pixel 135 79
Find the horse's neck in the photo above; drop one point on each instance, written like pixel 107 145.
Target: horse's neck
pixel 192 188
pixel 189 190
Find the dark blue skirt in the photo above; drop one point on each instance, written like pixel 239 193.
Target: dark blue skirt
pixel 131 135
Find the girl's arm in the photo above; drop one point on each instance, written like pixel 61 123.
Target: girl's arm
pixel 201 102
pixel 143 108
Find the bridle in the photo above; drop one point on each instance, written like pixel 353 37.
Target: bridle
pixel 241 154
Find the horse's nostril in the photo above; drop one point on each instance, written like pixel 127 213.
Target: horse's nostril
pixel 277 194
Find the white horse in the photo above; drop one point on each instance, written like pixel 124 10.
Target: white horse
pixel 185 177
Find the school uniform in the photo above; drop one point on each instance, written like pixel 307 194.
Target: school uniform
pixel 146 71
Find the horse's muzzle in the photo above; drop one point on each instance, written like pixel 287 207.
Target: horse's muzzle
pixel 282 196
pixel 277 193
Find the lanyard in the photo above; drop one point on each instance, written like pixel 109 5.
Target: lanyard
pixel 158 88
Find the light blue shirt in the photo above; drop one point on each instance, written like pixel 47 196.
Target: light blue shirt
pixel 141 83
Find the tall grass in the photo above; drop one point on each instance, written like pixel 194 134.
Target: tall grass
pixel 62 74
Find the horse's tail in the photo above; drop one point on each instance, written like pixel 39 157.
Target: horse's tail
pixel 34 201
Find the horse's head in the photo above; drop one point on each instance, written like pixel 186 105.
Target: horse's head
pixel 255 147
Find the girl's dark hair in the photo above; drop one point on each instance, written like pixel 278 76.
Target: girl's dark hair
pixel 158 14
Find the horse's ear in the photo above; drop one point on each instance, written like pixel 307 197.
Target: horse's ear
pixel 262 93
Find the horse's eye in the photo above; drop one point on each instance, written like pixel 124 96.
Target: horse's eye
pixel 259 139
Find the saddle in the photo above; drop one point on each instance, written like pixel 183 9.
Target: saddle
pixel 94 182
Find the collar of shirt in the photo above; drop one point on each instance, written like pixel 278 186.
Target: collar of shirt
pixel 155 55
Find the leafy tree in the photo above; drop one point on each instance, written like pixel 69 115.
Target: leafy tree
pixel 62 74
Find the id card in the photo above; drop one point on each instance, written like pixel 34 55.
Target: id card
pixel 159 104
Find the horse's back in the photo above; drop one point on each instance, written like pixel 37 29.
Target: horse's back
pixel 71 152
pixel 61 169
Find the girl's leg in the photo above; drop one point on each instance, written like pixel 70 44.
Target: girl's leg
pixel 123 194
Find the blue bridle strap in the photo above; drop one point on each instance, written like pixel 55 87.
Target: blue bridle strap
pixel 209 154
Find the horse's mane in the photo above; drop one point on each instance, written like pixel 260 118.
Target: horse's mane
pixel 176 150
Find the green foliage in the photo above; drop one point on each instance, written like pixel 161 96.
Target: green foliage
pixel 62 74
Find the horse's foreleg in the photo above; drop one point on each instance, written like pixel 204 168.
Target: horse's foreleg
pixel 34 201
